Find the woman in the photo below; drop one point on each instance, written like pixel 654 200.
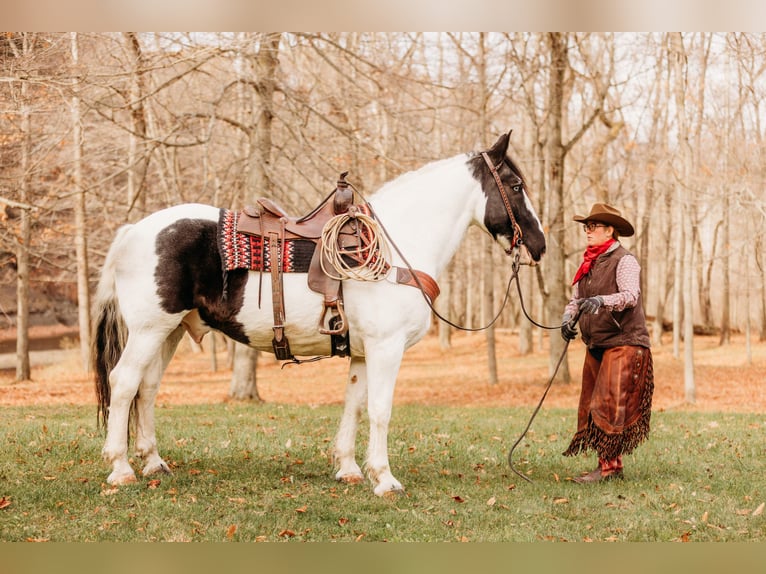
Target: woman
pixel 617 377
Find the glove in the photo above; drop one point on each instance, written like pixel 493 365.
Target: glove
pixel 568 328
pixel 591 304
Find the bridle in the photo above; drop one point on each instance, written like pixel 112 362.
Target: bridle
pixel 516 185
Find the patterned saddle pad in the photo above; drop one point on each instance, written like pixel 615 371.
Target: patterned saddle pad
pixel 242 251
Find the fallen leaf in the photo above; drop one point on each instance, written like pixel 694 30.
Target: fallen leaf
pixel 4 502
pixel 302 509
pixel 342 521
pixel 758 511
pixel 238 500
pixel 231 531
pixel 359 538
pixel 686 536
pixel 458 499
pixel 704 517
pixel 153 484
pixel 287 534
pixel 560 500
pixel 491 501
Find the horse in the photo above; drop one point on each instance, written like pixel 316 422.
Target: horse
pixel 162 277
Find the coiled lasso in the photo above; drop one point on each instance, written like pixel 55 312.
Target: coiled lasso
pixel 366 261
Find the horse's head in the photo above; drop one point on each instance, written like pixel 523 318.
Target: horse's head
pixel 509 215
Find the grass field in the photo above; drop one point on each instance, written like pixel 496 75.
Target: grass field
pixel 245 472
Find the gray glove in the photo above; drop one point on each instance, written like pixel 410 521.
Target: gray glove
pixel 568 328
pixel 591 304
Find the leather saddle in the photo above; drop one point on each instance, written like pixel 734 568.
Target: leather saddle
pixel 269 220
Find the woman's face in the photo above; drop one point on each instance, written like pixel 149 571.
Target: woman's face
pixel 597 233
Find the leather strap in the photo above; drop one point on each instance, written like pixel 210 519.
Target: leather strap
pixel 280 343
pixel 517 234
pixel 420 280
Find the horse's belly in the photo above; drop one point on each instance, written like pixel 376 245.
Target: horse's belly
pixel 303 309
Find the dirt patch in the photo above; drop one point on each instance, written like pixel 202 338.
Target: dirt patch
pixel 724 379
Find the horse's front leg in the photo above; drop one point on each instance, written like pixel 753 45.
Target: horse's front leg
pixel 383 363
pixel 345 441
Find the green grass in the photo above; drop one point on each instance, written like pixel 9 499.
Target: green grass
pixel 263 473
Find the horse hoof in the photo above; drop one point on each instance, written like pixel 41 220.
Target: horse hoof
pixel 395 494
pixel 351 479
pixel 389 491
pixel 121 480
pixel 155 468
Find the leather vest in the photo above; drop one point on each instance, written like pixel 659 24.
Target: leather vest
pixel 609 328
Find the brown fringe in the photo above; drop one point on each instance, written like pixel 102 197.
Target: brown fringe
pixel 610 446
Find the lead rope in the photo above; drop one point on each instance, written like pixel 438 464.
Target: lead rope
pixel 572 323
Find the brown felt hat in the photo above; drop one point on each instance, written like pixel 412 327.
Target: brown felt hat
pixel 603 213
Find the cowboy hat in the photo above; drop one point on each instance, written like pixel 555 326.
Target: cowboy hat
pixel 603 213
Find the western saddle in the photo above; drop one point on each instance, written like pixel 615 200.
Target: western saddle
pixel 271 222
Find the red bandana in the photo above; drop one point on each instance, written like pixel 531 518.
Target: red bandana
pixel 590 255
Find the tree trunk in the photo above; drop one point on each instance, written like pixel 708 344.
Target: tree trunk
pixel 488 269
pixel 243 385
pixel 684 197
pixel 23 369
pixel 489 309
pixel 137 160
pixel 81 233
pixel 259 182
pixel 554 261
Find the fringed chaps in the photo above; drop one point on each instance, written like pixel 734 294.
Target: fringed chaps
pixel 615 402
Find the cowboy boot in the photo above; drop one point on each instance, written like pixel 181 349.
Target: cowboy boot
pixel 606 470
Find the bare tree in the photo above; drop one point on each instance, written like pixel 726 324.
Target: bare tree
pixel 684 242
pixel 259 181
pixel 23 369
pixel 81 233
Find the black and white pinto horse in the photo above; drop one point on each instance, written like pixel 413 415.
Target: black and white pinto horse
pixel 163 276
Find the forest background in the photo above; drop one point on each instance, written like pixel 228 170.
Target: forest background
pixel 101 129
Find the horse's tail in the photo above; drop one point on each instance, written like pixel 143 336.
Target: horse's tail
pixel 109 330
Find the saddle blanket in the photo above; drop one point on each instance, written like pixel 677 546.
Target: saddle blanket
pixel 241 251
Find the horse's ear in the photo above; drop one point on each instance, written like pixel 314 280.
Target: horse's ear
pixel 497 152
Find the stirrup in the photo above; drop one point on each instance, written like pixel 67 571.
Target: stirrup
pixel 338 327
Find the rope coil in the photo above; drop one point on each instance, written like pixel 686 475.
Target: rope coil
pixel 364 259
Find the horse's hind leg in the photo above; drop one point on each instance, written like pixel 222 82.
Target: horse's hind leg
pixel 140 353
pixel 345 441
pixel 146 439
